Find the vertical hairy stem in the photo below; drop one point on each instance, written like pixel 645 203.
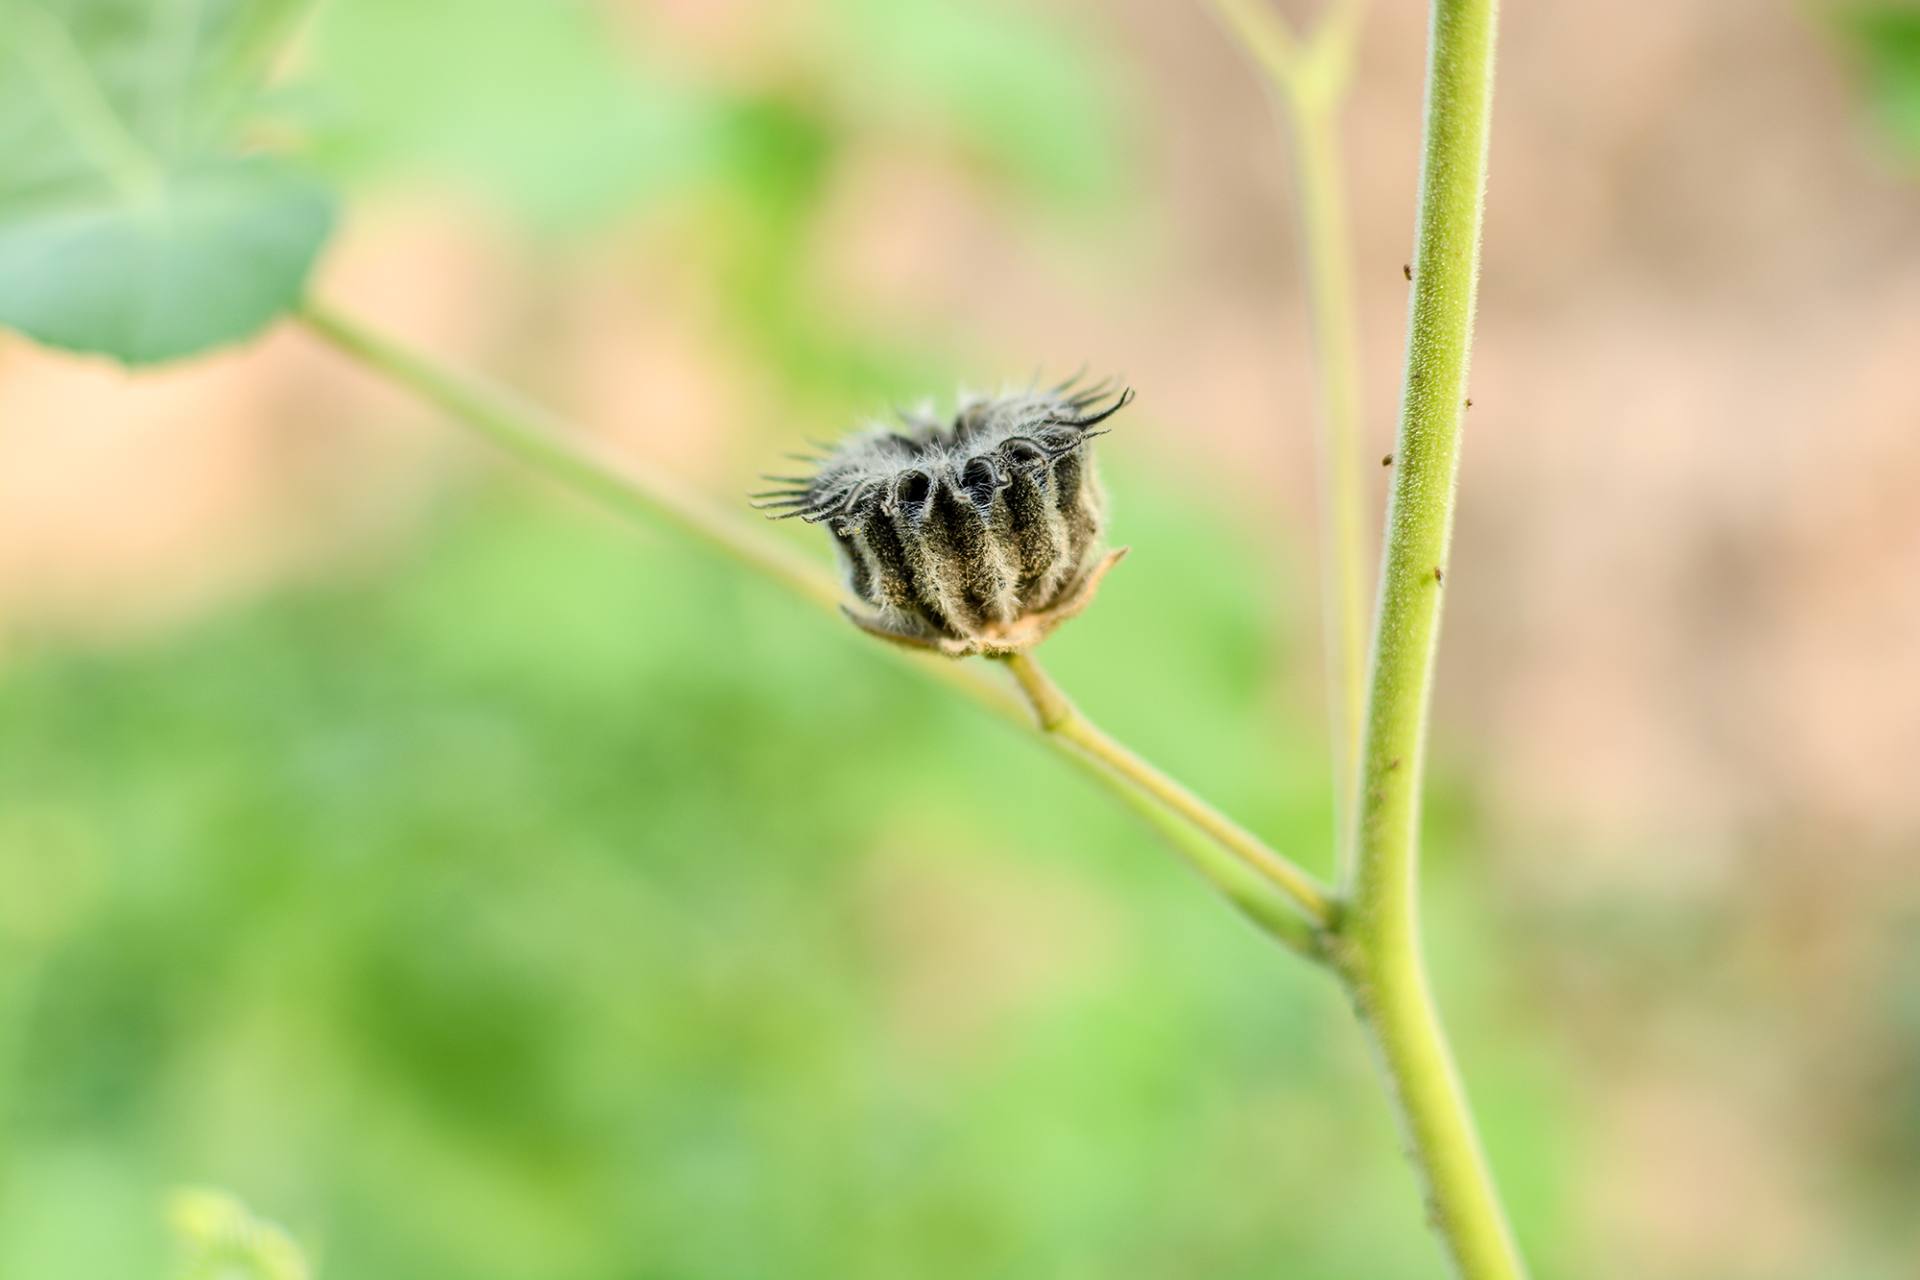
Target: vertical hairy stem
pixel 1376 945
pixel 1379 951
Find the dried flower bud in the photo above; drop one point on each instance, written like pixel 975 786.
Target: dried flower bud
pixel 978 536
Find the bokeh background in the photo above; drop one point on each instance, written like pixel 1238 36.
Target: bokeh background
pixel 485 891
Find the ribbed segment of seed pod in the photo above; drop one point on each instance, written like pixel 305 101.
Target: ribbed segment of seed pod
pixel 975 535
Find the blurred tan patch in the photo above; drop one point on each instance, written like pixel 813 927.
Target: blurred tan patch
pixel 650 379
pixel 137 498
pixel 129 495
pixel 1690 1179
pixel 967 948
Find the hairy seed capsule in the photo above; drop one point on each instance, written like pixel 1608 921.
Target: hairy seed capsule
pixel 978 535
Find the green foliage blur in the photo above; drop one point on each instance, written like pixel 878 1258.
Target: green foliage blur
pixel 501 915
pixel 1885 38
pixel 134 220
pixel 546 902
pixel 218 1238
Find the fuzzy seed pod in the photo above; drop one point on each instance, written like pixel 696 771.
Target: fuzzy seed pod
pixel 975 536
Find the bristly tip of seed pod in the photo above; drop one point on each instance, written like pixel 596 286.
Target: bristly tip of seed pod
pixel 978 533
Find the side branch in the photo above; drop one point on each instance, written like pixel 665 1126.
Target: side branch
pixel 1309 79
pixel 1058 717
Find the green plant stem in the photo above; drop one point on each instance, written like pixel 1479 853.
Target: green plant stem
pixel 1309 83
pixel 1060 718
pixel 1272 891
pixel 1330 289
pixel 1378 951
pixel 531 436
pixel 1375 942
pixel 1272 911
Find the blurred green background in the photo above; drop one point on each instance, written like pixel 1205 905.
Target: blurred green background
pixel 484 923
pixel 482 891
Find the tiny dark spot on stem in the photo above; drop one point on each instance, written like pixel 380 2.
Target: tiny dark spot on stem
pixel 1469 402
pixel 1406 269
pixel 1393 764
pixel 1437 575
pixel 1387 461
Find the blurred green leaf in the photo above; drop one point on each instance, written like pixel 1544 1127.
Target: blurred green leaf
pixel 131 222
pixel 1887 39
pixel 538 105
pixel 220 1240
pixel 1009 83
